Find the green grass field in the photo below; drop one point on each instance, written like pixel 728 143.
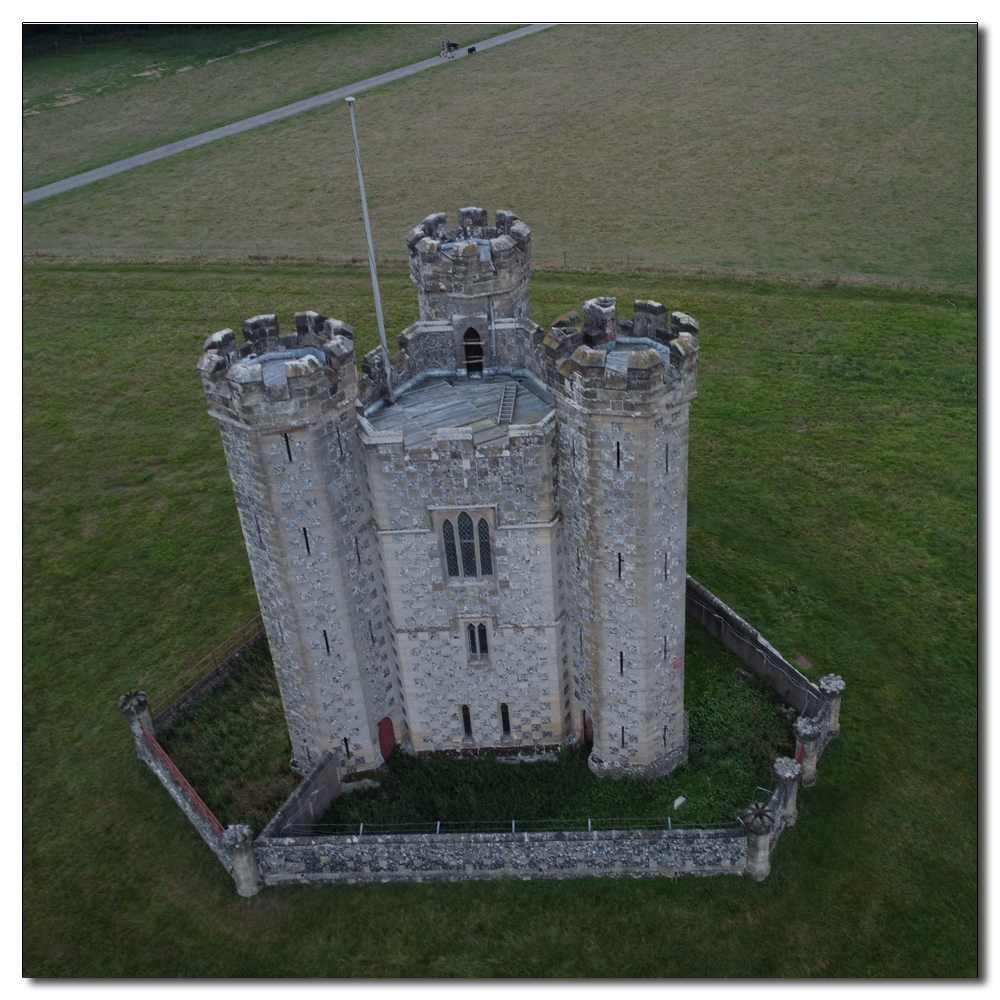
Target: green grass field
pixel 833 485
pixel 845 153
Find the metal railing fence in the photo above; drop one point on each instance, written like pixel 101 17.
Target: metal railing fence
pixel 196 799
pixel 515 826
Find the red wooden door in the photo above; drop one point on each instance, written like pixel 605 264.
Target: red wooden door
pixel 386 737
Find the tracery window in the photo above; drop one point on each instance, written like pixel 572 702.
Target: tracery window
pixel 473 544
pixel 477 637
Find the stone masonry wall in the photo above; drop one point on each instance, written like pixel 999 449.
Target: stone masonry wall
pixel 511 481
pixel 623 494
pixel 467 279
pixel 274 859
pixel 454 857
pixel 290 438
pixel 792 686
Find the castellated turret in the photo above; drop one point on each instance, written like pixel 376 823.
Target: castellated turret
pixel 473 274
pixel 286 409
pixel 622 405
pixel 493 555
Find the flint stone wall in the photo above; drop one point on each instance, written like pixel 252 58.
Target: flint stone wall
pixel 453 857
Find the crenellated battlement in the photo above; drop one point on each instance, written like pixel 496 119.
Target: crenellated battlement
pixel 474 269
pixel 263 379
pixel 605 353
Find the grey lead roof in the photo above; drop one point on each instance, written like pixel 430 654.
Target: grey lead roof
pixel 443 402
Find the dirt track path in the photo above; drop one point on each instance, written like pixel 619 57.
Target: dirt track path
pixel 182 145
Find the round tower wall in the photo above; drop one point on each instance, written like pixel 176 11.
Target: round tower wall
pixel 473 269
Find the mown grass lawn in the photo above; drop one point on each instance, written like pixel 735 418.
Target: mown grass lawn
pixel 91 99
pixel 833 486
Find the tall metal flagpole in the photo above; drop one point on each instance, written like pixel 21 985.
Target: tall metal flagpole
pixel 371 259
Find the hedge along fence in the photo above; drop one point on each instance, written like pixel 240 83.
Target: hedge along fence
pixel 292 849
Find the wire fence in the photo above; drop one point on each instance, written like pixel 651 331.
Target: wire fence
pixel 514 826
pixel 193 676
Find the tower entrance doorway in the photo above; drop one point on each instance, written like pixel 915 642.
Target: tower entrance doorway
pixel 386 737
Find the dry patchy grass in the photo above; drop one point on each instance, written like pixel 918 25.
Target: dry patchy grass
pixel 844 153
pixel 112 99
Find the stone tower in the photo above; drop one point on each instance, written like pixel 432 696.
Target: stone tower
pixel 622 397
pixel 286 409
pixel 472 278
pixel 492 557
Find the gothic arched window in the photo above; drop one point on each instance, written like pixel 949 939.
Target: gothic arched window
pixel 477 635
pixel 450 553
pixel 467 545
pixel 485 558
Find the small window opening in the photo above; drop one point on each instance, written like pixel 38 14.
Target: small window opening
pixel 619 565
pixel 666 458
pixel 623 737
pixel 664 647
pixel 305 535
pixel 326 640
pixel 483 648
pixel 505 719
pixel 664 565
pixel 347 747
pixel 288 446
pixel 340 443
pixel 467 720
pixel 357 549
pixel 473 352
pixel 472 641
pixel 621 662
pixel 618 454
pixel 260 537
pixel 664 735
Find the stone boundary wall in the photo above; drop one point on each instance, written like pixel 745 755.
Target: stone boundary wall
pixel 147 748
pixel 450 857
pixel 307 804
pixel 273 859
pixel 791 686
